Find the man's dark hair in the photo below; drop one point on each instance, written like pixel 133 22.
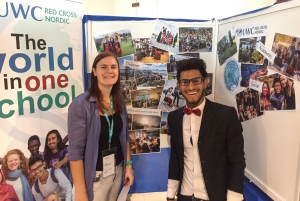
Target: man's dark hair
pixel 34 159
pixel 47 150
pixel 277 79
pixel 191 64
pixel 34 137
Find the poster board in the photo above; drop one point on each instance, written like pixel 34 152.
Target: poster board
pixel 151 170
pixel 272 140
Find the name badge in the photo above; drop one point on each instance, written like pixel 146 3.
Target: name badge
pixel 109 162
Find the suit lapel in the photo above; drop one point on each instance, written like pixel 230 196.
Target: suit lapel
pixel 179 127
pixel 207 117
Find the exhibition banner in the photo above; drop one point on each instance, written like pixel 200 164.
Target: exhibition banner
pixel 40 69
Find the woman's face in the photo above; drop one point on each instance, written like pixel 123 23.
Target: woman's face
pixel 13 162
pixel 265 89
pixel 107 71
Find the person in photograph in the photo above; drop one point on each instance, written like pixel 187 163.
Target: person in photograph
pixel 7 192
pixel 54 196
pixel 289 92
pixel 241 113
pixel 265 97
pixel 176 96
pixel 168 96
pixel 295 62
pixel 159 35
pixel 106 45
pixel 278 60
pixel 220 148
pixel 89 124
pixel 292 48
pixel 277 96
pixel 34 144
pixel 48 180
pixel 175 39
pixel 55 153
pixel 15 169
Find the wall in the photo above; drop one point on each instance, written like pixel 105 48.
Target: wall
pixel 188 9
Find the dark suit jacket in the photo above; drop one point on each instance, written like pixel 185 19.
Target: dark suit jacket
pixel 221 149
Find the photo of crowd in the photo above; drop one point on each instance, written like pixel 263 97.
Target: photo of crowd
pixel 146 98
pixel 287 60
pixel 252 71
pixel 226 47
pixel 278 93
pixel 165 36
pixel 117 42
pixel 171 67
pixel 152 55
pixel 144 141
pixel 151 76
pixel 247 102
pixel 248 52
pixel 141 44
pixel 195 39
pixel 20 175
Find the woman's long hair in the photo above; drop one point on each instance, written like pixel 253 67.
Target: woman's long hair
pixel 47 150
pixel 268 94
pixel 23 163
pixel 95 91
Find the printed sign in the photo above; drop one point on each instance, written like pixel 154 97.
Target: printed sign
pixel 251 31
pixel 266 52
pixel 256 85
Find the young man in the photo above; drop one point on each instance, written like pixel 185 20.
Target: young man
pixel 47 181
pixel 277 96
pixel 207 146
pixel 56 154
pixel 34 144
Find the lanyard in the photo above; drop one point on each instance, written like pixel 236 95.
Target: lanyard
pixel 110 126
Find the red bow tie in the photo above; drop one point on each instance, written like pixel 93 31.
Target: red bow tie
pixel 189 111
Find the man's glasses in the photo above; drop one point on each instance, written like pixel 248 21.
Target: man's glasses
pixel 37 168
pixel 195 80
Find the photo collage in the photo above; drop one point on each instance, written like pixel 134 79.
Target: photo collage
pixel 264 90
pixel 148 75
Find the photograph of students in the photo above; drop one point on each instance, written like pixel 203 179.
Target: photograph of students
pixel 48 180
pixel 7 192
pixel 97 123
pixel 15 169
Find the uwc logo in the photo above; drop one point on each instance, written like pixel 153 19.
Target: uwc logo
pixel 243 32
pixel 19 10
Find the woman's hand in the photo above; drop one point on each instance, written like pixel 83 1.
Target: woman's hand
pixel 129 176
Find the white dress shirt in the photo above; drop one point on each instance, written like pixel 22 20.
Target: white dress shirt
pixel 193 182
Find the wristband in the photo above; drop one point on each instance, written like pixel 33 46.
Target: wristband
pixel 129 163
pixel 129 166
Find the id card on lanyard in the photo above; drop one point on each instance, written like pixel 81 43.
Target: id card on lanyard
pixel 109 155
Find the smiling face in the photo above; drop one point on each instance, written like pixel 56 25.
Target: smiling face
pixel 265 89
pixel 13 162
pixel 33 147
pixel 37 169
pixel 52 141
pixel 107 72
pixel 193 94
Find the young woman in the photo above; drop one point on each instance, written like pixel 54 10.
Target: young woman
pixel 15 169
pixel 265 97
pixel 97 127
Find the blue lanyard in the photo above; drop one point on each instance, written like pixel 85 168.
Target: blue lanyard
pixel 110 126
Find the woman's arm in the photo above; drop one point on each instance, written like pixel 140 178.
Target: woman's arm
pixel 78 179
pixel 129 176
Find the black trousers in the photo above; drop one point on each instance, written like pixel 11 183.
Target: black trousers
pixel 188 198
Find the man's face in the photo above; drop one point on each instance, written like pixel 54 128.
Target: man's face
pixel 37 169
pixel 34 146
pixel 52 141
pixel 277 87
pixel 193 94
pixel 240 108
